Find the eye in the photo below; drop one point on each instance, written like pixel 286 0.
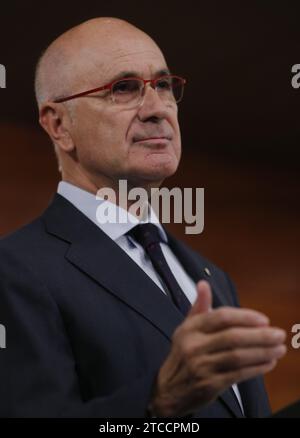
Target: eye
pixel 126 86
pixel 164 84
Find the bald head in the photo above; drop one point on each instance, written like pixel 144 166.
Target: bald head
pixel 97 139
pixel 65 66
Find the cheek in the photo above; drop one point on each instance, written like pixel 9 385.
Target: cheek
pixel 112 128
pixel 102 142
pixel 103 134
pixel 177 139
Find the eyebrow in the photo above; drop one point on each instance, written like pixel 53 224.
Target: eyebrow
pixel 134 74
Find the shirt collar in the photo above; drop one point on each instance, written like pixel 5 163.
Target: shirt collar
pixel 88 204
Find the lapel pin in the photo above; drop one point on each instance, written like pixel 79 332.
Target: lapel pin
pixel 207 272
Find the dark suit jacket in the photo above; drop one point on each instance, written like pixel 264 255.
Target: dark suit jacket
pixel 87 329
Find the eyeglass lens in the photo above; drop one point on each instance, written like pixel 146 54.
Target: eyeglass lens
pixel 131 90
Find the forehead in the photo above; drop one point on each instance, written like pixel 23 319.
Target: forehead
pixel 144 63
pixel 133 55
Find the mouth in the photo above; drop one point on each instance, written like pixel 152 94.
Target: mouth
pixel 152 140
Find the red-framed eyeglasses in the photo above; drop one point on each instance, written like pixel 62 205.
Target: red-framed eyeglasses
pixel 131 90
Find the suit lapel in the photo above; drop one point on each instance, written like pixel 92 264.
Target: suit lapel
pixel 99 257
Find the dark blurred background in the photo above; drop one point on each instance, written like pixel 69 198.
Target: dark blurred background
pixel 240 121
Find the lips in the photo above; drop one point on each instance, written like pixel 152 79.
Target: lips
pixel 140 138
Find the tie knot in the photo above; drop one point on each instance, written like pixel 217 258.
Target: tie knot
pixel 146 234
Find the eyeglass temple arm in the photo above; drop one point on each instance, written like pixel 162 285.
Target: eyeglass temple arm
pixel 93 90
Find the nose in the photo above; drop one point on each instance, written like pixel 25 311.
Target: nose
pixel 152 106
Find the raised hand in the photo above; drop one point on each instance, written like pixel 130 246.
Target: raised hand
pixel 211 350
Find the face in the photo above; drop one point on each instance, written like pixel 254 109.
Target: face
pixel 112 142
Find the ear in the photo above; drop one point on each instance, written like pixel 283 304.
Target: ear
pixel 54 118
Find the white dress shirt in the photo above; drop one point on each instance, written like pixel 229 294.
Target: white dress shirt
pixel 88 204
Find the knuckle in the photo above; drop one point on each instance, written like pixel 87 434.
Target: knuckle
pixel 235 338
pixel 224 315
pixel 198 368
pixel 231 338
pixel 188 349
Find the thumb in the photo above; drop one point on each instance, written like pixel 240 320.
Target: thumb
pixel 203 301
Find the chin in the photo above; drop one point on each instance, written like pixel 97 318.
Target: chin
pixel 153 167
pixel 159 172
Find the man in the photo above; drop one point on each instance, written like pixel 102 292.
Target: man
pixel 99 324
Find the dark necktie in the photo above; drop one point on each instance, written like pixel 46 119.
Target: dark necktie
pixel 147 235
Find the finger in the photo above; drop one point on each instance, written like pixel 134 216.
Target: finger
pixel 225 317
pixel 242 338
pixel 203 302
pixel 245 358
